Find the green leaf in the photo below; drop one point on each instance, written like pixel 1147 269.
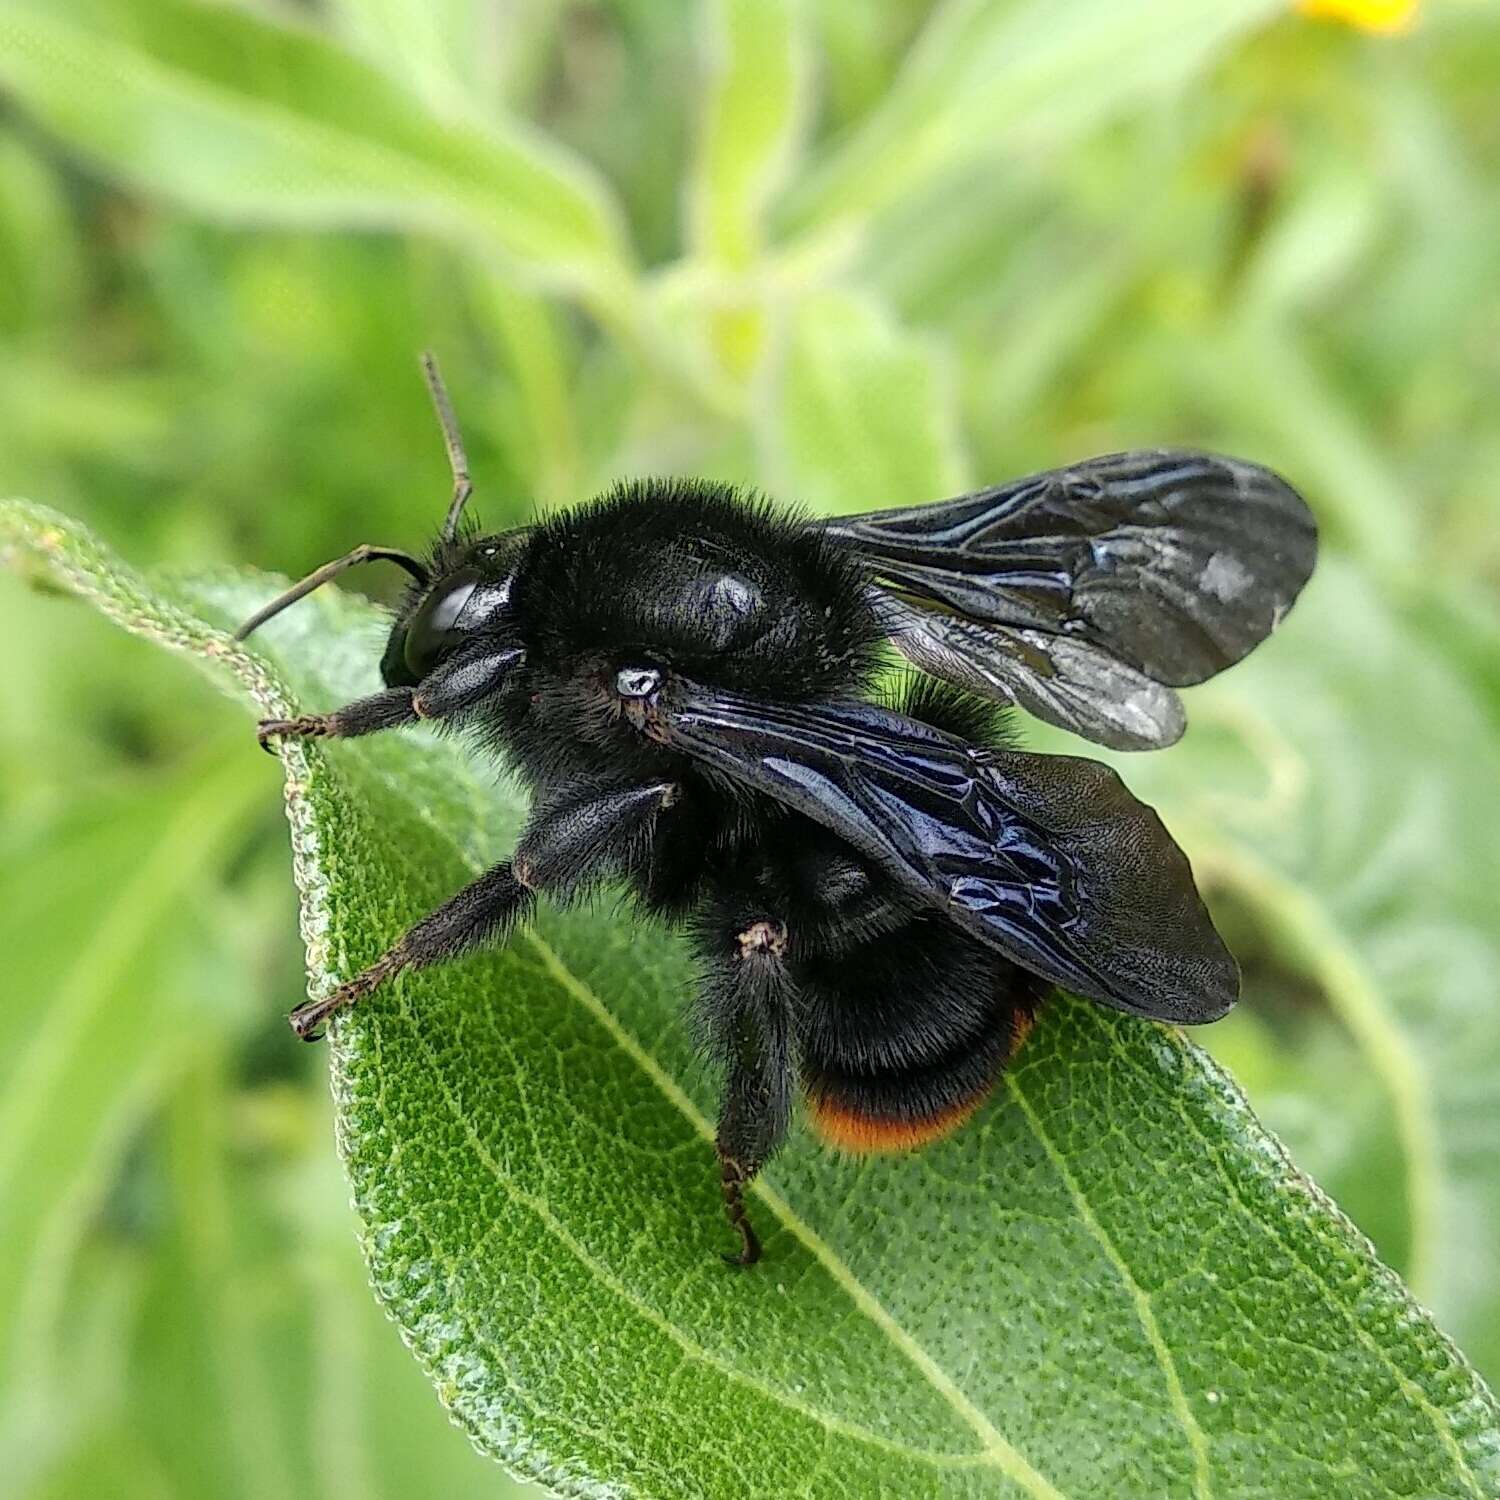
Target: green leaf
pixel 272 1321
pixel 987 78
pixel 258 123
pixel 438 46
pixel 102 922
pixel 863 412
pixel 1112 1283
pixel 754 109
pixel 1349 826
pixel 751 121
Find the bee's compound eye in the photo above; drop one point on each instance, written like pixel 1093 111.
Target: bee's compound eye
pixel 432 633
pixel 637 682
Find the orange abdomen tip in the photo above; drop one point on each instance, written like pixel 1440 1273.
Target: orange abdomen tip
pixel 847 1129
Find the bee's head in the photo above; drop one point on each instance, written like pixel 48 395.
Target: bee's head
pixel 463 588
pixel 468 591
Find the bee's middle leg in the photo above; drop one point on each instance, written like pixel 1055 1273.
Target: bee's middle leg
pixel 565 844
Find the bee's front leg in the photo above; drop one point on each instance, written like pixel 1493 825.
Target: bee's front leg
pixel 474 672
pixel 385 710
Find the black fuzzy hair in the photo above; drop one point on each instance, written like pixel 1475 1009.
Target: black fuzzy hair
pixel 932 701
pixel 449 552
pixel 617 576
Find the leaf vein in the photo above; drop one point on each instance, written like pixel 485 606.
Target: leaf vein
pixel 1439 1420
pixel 1140 1298
pixel 596 1268
pixel 997 1450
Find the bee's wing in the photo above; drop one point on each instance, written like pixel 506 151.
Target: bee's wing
pixel 1048 859
pixel 1060 678
pixel 1171 563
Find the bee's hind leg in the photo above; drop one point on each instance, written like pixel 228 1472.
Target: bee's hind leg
pixel 745 1012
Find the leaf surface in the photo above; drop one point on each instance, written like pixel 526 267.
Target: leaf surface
pixel 984 80
pixel 862 414
pixel 259 123
pixel 1112 1283
pixel 1335 792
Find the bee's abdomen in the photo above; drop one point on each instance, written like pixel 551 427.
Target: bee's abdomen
pixel 904 1039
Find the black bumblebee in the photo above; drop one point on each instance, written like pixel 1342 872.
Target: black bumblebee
pixel 880 893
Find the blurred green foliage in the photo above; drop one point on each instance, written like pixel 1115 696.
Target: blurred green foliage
pixel 829 249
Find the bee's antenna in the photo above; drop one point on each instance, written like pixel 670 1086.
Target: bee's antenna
pixel 458 460
pixel 362 554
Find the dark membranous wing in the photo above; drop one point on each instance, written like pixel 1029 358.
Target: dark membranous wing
pixel 1170 563
pixel 1059 678
pixel 1048 859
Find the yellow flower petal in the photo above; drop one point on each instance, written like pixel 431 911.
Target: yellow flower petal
pixel 1369 15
